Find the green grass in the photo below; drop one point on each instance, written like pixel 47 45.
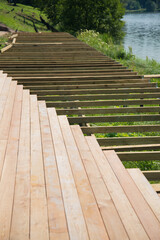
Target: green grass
pixel 21 21
pixel 107 46
pixel 3 40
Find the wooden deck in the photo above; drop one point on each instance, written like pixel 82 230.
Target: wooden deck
pixel 93 90
pixel 55 183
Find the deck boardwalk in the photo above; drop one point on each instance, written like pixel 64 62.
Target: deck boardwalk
pixel 92 89
pixel 57 184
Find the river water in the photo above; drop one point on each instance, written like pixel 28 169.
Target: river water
pixel 143 34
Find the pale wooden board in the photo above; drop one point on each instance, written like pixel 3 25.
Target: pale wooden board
pixel 105 203
pixel 3 98
pixel 147 191
pixel 127 214
pixel 95 225
pixel 156 187
pixel 39 215
pixel 3 145
pixel 3 95
pixel 56 213
pixel 142 209
pixel 2 80
pixel 75 219
pixel 7 113
pixel 21 208
pixel 7 183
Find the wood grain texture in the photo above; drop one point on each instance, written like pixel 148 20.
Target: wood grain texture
pixel 95 225
pixel 39 214
pixel 76 223
pixel 126 212
pixel 147 191
pixel 56 214
pixel 20 228
pixel 7 183
pixel 139 204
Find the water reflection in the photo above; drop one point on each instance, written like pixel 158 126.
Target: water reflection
pixel 143 34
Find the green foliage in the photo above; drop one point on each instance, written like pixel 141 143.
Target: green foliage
pixel 102 16
pixel 105 44
pixel 150 6
pixel 72 16
pixel 133 5
pixel 3 40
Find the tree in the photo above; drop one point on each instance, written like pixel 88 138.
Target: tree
pixel 150 6
pixel 133 5
pixel 142 3
pixel 102 16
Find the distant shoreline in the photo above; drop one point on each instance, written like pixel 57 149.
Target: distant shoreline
pixel 140 11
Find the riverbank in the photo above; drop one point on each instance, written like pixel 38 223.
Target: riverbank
pixel 142 10
pixel 105 44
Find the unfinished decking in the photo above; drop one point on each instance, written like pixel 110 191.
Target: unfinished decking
pixel 57 184
pixel 93 90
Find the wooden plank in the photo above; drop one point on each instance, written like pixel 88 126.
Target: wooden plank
pixel 101 193
pixel 124 208
pixel 128 141
pixel 88 84
pixel 90 209
pixel 92 96
pixel 117 118
pixel 3 145
pixel 76 223
pixel 7 113
pixel 20 227
pixel 139 156
pixel 66 71
pixel 39 216
pixel 6 48
pixel 56 213
pixel 7 183
pixel 41 90
pixel 91 89
pixel 152 175
pixel 142 209
pixel 2 79
pixel 101 103
pixel 3 98
pixel 156 187
pixel 71 78
pixel 152 76
pixel 4 95
pixel 124 148
pixel 120 129
pixel 81 84
pixel 147 191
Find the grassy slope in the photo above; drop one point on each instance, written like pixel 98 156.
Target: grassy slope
pixel 105 45
pixel 10 16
